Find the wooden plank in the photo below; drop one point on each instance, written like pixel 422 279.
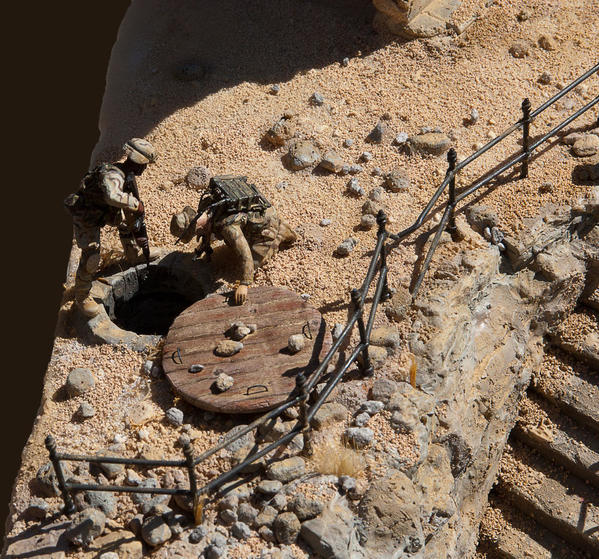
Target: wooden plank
pixel 263 371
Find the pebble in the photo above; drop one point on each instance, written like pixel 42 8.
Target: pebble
pixel 303 154
pixel 372 407
pixel 282 185
pixel 519 49
pixel 109 555
pixel 238 331
pixel 332 162
pixel 367 222
pixel 214 552
pixel 37 509
pixel 360 437
pixel 86 526
pixel 198 534
pixel 227 348
pixel 223 382
pixel 274 89
pixel 174 416
pixel 198 178
pixel 286 528
pixel 266 534
pixel 305 508
pixel 397 180
pixel 377 172
pixel 305 296
pixel 545 78
pixel 295 343
pixel 355 169
pixel 361 419
pixel 433 143
pixel 546 187
pixel 219 540
pixel 247 513
pixel 376 194
pixel 366 156
pixel 241 531
pixel 346 247
pixel 79 381
pixel 197 368
pixel 353 186
pixel 110 470
pixel 286 470
pixel 377 134
pixel 345 61
pixel 228 516
pixel 336 331
pixel 400 139
pixel 86 410
pixel 279 501
pixel 267 516
pixel 316 99
pixel 474 116
pixel 325 222
pixel 546 42
pixel 348 142
pixel 382 389
pixel 269 487
pixel 586 146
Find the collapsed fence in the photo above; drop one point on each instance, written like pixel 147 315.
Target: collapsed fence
pixel 306 388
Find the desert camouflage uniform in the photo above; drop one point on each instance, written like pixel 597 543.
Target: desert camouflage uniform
pixel 255 237
pixel 106 204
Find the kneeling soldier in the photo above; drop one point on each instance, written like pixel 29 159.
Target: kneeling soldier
pixel 236 212
pixel 108 195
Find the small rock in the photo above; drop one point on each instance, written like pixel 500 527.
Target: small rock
pixel 228 516
pixel 241 531
pixel 332 162
pixel 545 78
pixel 198 178
pixel 400 139
pixel 370 207
pixel 155 531
pixel 474 116
pixel 346 247
pixel 295 343
pixel 279 501
pixel 523 15
pixel 367 222
pixel 355 169
pixel 266 517
pixel 305 296
pixel 305 508
pixel 219 540
pixel 399 305
pixel 345 61
pixel 37 509
pixel 214 552
pixel 286 528
pixel 223 382
pixel 109 555
pixel 302 154
pixel 281 131
pixel 325 222
pixel 190 71
pixel 79 382
pixel 361 419
pixel 359 437
pixel 287 470
pixel 247 513
pixel 377 134
pixel 570 139
pixel 269 487
pixel 174 416
pixel 546 187
pixel 227 348
pixel 586 146
pixel 353 187
pixel 102 500
pixel 344 170
pixel 198 534
pixel 432 143
pixel 274 89
pixel 329 413
pixel 86 526
pixel 397 181
pixel 347 483
pixel 316 99
pixel 376 194
pixel 348 142
pixel 372 407
pixel 266 534
pixel 110 470
pixel 238 331
pixel 382 389
pixel 196 368
pixel 520 49
pixel 366 156
pixel 86 411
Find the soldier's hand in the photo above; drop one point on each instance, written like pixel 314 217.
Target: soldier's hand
pixel 142 242
pixel 241 294
pixel 140 208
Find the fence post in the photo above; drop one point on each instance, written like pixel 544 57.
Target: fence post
pixel 69 506
pixel 381 220
pixel 300 383
pixel 366 367
pixel 452 157
pixel 193 486
pixel 525 131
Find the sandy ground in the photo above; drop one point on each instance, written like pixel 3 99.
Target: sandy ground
pixel 219 122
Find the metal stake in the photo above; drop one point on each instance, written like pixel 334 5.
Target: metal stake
pixel 69 505
pixel 381 220
pixel 452 157
pixel 366 367
pixel 300 383
pixel 525 130
pixel 193 486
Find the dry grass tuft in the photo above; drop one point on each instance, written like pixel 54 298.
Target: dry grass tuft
pixel 333 457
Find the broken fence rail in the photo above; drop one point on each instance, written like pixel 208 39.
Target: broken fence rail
pixel 305 388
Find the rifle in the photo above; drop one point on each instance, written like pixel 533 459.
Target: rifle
pixel 139 231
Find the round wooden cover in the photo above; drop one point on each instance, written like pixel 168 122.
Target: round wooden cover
pixel 264 370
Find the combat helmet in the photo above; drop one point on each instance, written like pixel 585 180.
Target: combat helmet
pixel 180 224
pixel 140 151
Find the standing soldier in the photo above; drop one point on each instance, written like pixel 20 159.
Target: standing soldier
pixel 234 211
pixel 108 195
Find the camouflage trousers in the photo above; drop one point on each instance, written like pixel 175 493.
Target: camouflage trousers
pixel 87 237
pixel 265 240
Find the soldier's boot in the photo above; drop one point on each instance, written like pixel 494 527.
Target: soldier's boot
pixel 88 307
pixel 134 255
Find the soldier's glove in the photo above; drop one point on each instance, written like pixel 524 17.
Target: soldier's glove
pixel 241 292
pixel 142 242
pixel 140 208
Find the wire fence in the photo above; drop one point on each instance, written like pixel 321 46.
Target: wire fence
pixel 308 387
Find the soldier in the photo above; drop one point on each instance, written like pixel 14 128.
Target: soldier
pixel 107 197
pixel 234 211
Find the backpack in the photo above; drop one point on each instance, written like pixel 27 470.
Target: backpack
pixel 230 195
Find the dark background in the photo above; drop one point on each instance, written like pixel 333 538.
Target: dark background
pixel 55 56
